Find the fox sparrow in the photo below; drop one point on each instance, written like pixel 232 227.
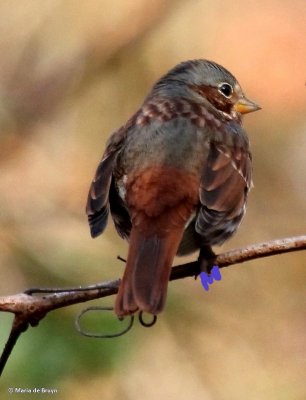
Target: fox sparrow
pixel 175 178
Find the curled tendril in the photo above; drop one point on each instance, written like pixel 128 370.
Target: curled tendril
pixel 144 323
pixel 100 335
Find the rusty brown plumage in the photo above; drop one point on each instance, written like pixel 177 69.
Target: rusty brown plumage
pixel 175 178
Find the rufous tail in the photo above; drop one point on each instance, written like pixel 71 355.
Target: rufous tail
pixel 145 280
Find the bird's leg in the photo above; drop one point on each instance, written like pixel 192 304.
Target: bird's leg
pixel 206 259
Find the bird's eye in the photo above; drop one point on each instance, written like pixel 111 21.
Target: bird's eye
pixel 226 89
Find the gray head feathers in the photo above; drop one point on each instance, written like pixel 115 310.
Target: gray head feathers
pixel 193 72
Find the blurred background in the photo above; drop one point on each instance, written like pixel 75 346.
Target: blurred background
pixel 72 72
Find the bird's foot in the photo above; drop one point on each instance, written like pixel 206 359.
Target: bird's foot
pixel 206 259
pixel 209 271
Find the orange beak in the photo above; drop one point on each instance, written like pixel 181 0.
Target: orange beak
pixel 244 106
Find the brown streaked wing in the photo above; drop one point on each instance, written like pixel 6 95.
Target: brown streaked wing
pixel 97 207
pixel 225 183
pixel 120 214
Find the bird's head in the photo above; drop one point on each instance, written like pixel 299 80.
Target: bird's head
pixel 208 83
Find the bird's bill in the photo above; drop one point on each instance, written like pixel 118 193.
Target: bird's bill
pixel 244 106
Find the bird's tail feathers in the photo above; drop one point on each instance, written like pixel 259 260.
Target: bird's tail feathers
pixel 145 281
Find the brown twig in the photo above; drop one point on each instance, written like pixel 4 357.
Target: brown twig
pixel 29 310
pixel 248 253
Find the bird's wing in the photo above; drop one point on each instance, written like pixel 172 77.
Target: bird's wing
pixel 225 183
pixel 97 207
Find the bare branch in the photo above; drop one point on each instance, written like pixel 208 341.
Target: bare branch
pixel 248 253
pixel 30 309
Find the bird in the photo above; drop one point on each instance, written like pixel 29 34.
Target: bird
pixel 175 178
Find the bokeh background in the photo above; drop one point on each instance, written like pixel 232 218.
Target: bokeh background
pixel 71 72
